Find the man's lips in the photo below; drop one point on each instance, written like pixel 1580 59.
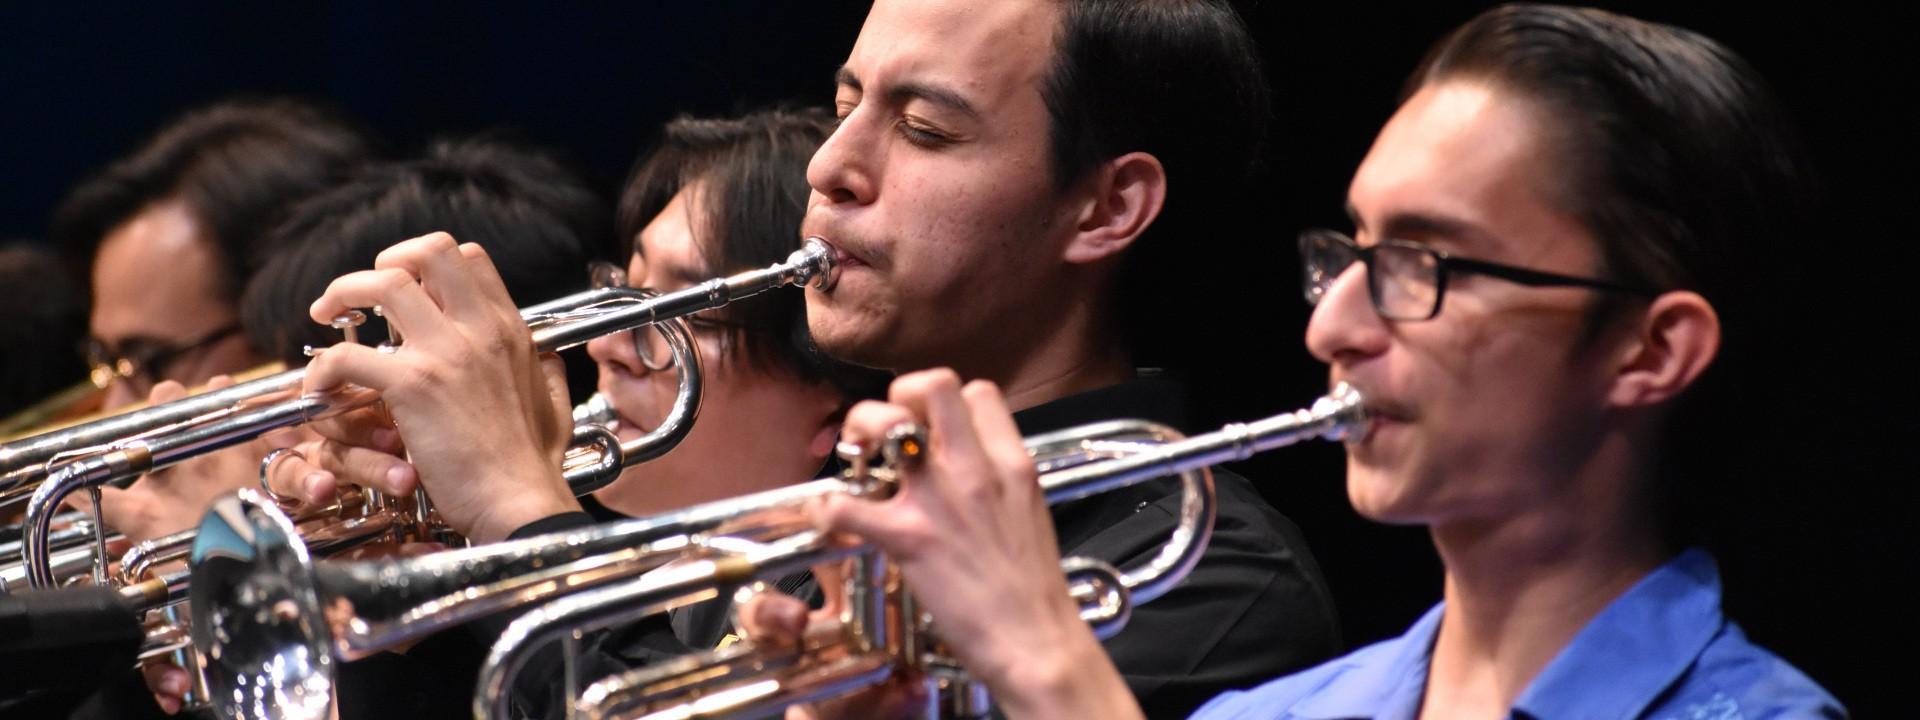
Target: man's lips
pixel 1387 413
pixel 1382 412
pixel 848 251
pixel 853 257
pixel 621 425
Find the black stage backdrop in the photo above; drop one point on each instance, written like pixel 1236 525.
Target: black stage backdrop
pixel 1815 543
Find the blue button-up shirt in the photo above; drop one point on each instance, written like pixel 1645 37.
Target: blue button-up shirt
pixel 1661 650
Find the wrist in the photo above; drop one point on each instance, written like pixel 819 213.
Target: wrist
pixel 1074 678
pixel 527 503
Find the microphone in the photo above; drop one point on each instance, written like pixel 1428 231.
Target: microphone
pixel 66 638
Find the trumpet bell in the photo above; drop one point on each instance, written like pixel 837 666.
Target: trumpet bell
pixel 265 638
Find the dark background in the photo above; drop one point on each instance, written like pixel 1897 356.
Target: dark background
pixel 1823 556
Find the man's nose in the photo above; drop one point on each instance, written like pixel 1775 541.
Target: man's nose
pixel 1345 325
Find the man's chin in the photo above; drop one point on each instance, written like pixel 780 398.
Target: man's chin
pixel 849 340
pixel 1375 496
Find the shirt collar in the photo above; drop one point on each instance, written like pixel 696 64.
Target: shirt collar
pixel 1152 394
pixel 1386 681
pixel 1615 667
pixel 1634 649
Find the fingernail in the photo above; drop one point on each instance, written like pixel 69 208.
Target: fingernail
pixel 396 477
pixel 314 483
pixel 385 438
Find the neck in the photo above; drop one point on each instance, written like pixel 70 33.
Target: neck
pixel 1520 587
pixel 1045 383
pixel 1050 355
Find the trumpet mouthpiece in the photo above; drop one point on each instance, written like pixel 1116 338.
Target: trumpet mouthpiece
pixel 819 261
pixel 1347 408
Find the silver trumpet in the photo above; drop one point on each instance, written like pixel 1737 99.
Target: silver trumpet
pixel 269 623
pixel 56 464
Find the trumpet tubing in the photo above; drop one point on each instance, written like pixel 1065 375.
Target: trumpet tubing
pixel 56 464
pixel 1074 463
pixel 258 597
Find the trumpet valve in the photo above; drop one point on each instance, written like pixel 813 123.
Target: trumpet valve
pixel 878 474
pixel 348 323
pixel 393 332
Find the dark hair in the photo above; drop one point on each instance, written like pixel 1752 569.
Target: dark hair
pixel 1182 81
pixel 1679 159
pixel 1683 166
pixel 751 172
pixel 237 165
pixel 46 321
pixel 534 219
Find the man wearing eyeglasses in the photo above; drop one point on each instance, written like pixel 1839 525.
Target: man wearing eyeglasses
pixel 169 235
pixel 1547 234
pixel 171 232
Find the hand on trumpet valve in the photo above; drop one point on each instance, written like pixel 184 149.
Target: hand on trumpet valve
pixel 486 419
pixel 361 448
pixel 970 507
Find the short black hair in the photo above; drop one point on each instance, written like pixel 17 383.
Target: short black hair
pixel 238 165
pixel 535 219
pixel 46 322
pixel 1688 173
pixel 751 171
pixel 1180 80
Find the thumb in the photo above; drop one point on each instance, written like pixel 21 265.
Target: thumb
pixel 774 619
pixel 889 524
pixel 560 401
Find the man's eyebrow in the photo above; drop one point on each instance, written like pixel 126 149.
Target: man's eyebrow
pixel 843 76
pixel 902 93
pixel 1420 226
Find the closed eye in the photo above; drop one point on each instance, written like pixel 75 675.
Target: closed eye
pixel 921 134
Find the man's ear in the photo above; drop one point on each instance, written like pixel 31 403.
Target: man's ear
pixel 1125 195
pixel 1671 345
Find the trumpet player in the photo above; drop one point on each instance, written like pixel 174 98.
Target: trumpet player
pixel 717 196
pixel 1000 188
pixel 168 236
pixel 198 200
pixel 522 206
pixel 1548 236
